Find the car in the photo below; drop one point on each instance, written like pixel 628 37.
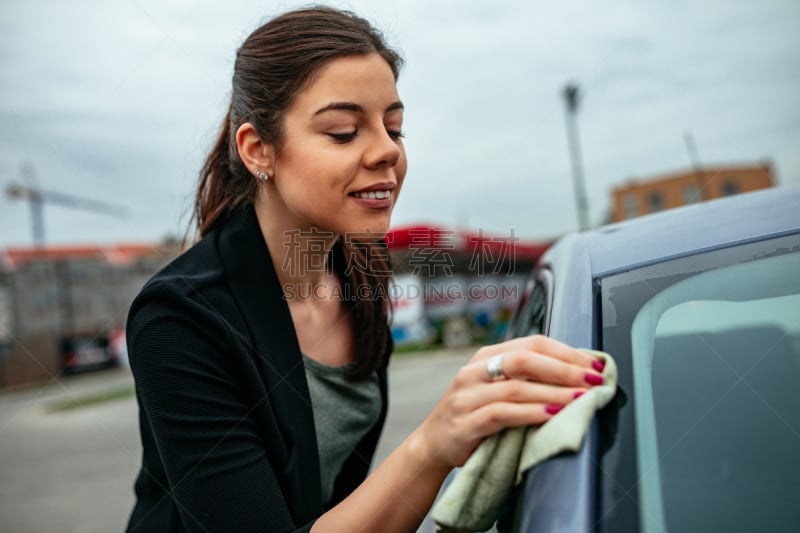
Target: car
pixel 86 351
pixel 700 308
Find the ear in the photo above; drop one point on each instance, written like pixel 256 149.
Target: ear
pixel 254 153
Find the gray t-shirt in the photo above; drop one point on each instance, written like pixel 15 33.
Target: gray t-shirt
pixel 344 412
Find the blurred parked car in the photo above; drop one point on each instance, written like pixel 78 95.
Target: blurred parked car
pixel 87 351
pixel 700 307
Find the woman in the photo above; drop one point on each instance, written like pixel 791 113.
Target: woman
pixel 260 362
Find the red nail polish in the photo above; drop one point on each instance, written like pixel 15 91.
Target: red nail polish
pixel 578 394
pixel 593 379
pixel 598 365
pixel 553 408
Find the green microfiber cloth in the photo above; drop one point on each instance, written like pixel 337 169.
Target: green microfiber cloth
pixel 473 501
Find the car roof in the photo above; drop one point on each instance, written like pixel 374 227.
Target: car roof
pixel 691 229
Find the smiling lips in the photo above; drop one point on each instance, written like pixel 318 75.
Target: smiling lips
pixel 376 196
pixel 373 194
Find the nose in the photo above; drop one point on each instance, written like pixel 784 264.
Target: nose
pixel 383 152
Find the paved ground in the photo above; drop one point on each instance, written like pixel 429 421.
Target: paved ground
pixel 73 471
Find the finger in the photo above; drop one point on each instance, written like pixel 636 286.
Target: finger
pixel 521 343
pixel 543 345
pixel 543 369
pixel 563 352
pixel 517 391
pixel 532 366
pixel 500 415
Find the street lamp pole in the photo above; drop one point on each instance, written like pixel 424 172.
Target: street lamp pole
pixel 571 95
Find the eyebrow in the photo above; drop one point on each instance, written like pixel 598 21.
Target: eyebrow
pixel 349 106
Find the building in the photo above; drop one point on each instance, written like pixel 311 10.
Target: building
pixel 54 294
pixel 650 195
pixel 49 294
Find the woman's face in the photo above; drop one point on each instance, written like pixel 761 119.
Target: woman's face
pixel 342 161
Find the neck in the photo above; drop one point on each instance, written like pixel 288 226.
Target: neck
pixel 299 254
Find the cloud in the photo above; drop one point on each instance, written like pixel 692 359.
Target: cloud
pixel 120 101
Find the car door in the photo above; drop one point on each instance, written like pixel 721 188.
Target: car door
pixel 558 494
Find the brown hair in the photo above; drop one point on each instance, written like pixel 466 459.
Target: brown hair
pixel 275 63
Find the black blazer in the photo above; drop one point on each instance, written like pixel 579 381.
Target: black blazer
pixel 224 410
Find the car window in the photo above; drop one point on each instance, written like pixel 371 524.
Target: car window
pixel 716 367
pixel 531 315
pixel 713 344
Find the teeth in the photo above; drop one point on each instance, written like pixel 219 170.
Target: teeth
pixel 380 195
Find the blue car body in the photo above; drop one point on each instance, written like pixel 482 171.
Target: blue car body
pixel 578 292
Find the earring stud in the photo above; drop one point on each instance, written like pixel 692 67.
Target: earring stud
pixel 263 176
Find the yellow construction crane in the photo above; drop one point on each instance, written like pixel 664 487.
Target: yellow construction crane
pixel 37 197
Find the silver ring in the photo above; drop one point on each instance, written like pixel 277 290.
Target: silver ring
pixel 494 365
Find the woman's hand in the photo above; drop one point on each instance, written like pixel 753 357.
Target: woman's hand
pixel 541 376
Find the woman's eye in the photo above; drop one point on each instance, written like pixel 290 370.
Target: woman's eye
pixel 395 134
pixel 343 137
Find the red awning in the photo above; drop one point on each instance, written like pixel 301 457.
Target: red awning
pixel 460 241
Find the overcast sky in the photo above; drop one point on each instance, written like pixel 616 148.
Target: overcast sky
pixel 119 101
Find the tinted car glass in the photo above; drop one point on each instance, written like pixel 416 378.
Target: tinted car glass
pixel 709 353
pixel 531 315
